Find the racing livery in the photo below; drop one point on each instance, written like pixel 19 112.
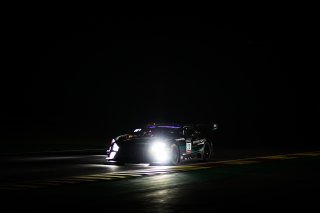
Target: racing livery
pixel 164 144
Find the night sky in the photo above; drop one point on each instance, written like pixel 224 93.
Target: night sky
pixel 97 76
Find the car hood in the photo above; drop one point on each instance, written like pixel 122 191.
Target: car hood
pixel 146 140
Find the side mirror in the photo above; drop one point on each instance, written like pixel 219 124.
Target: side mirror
pixel 187 132
pixel 215 127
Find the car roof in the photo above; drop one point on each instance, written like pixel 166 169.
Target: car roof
pixel 164 125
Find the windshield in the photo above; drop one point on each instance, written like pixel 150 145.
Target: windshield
pixel 152 131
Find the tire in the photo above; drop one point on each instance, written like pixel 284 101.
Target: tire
pixel 175 155
pixel 207 152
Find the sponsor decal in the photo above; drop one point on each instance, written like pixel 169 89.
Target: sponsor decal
pixel 188 146
pixel 199 141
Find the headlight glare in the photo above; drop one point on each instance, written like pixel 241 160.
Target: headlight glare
pixel 159 151
pixel 115 147
pixel 158 145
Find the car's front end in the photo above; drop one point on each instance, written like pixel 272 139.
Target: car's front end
pixel 139 150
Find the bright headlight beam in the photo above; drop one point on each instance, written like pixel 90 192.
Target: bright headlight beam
pixel 159 150
pixel 115 147
pixel 157 145
pixel 112 154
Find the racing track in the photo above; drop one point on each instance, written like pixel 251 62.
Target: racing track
pixel 39 170
pixel 247 179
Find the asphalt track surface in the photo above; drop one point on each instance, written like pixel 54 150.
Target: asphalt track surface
pixel 49 165
pixel 38 179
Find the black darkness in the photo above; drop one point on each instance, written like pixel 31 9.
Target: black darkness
pixel 79 76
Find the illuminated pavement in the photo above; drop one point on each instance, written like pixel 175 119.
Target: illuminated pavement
pixel 274 182
pixel 115 172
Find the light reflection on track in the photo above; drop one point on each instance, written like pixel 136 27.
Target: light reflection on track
pixel 114 174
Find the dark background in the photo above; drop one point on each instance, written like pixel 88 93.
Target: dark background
pixel 80 76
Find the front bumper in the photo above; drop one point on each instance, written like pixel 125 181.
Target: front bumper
pixel 137 153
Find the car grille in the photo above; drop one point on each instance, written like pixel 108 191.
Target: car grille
pixel 134 153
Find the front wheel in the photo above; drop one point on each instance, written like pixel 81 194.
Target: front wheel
pixel 207 152
pixel 174 155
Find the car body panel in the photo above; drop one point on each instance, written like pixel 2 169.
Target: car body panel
pixel 138 146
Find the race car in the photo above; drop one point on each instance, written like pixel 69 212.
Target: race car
pixel 163 144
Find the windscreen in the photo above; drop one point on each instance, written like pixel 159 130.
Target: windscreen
pixel 157 131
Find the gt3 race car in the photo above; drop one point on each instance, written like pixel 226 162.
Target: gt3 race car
pixel 163 144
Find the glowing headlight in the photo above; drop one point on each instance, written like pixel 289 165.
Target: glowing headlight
pixel 160 151
pixel 115 147
pixel 112 154
pixel 158 145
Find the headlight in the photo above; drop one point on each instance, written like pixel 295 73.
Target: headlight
pixel 158 145
pixel 113 151
pixel 112 154
pixel 159 151
pixel 112 141
pixel 115 147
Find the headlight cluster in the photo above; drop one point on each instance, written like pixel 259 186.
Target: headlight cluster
pixel 113 150
pixel 115 147
pixel 157 146
pixel 160 151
